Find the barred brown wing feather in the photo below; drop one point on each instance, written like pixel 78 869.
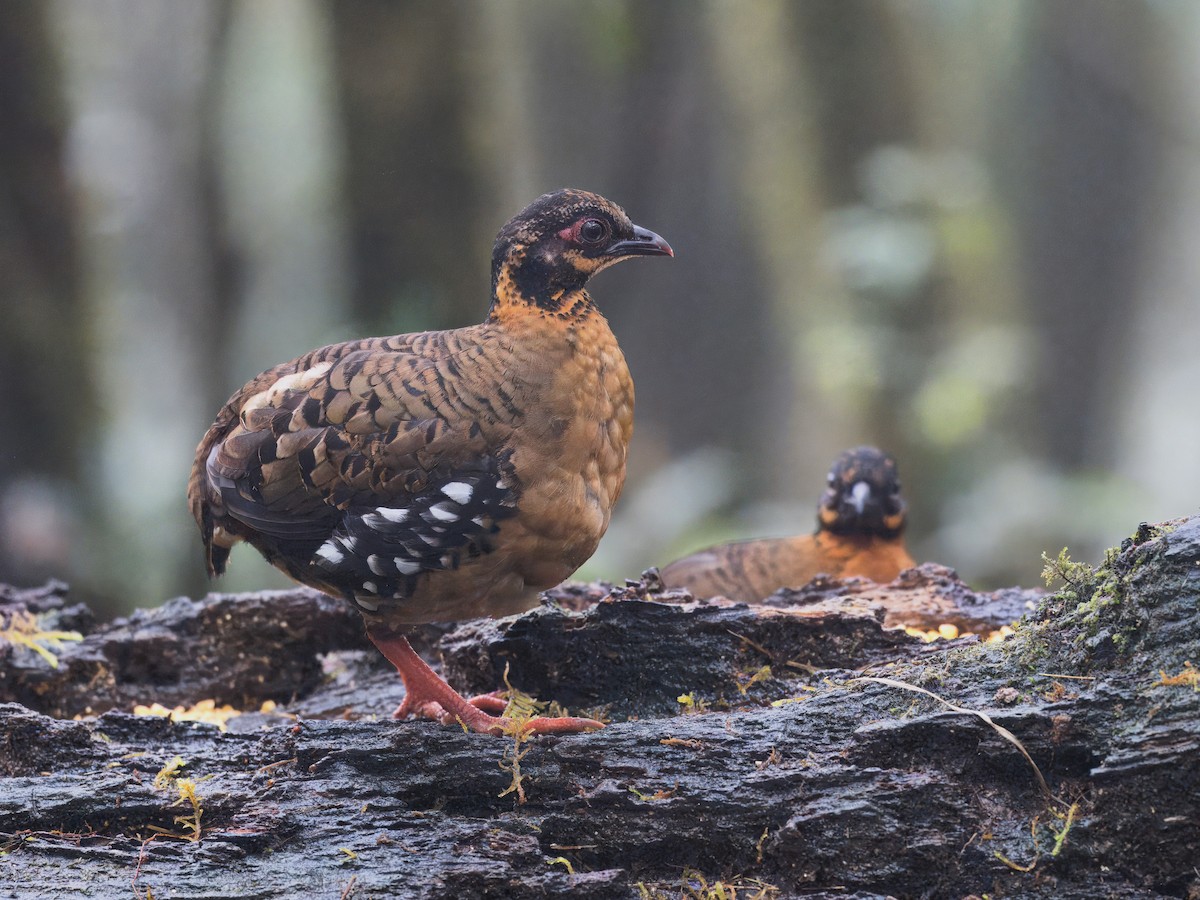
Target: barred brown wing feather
pixel 357 481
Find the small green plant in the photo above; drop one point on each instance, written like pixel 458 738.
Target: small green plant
pixel 747 680
pixel 1060 838
pixel 190 822
pixel 1078 576
pixel 168 779
pixel 520 710
pixel 695 886
pixel 660 794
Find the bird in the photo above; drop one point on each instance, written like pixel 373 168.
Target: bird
pixel 860 532
pixel 442 475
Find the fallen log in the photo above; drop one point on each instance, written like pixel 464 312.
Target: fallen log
pixel 804 747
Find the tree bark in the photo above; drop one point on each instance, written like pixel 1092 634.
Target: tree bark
pixel 831 776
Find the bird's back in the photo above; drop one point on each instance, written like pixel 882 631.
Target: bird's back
pixel 748 571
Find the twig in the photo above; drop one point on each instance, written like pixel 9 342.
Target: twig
pixel 271 766
pixel 1000 729
pixel 754 644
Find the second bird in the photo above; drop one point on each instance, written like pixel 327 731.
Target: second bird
pixel 860 532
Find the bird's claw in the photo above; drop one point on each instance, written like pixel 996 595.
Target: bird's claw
pixel 492 703
pixel 546 725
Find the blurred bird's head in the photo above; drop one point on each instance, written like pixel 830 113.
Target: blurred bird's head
pixel 553 246
pixel 862 495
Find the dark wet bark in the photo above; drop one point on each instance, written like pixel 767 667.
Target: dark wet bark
pixel 857 789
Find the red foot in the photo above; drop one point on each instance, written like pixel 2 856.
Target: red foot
pixel 428 696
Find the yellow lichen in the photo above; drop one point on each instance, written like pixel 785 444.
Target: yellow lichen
pixel 24 629
pixel 745 681
pixel 948 631
pixel 1188 675
pixel 562 861
pixel 201 711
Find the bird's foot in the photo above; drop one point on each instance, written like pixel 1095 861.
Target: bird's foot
pixel 473 716
pixel 427 695
pixel 418 708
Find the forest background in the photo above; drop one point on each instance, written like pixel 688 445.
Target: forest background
pixel 965 231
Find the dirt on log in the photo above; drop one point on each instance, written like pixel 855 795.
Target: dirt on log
pixel 796 748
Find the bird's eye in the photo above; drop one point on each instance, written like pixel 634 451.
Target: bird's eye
pixel 592 231
pixel 831 479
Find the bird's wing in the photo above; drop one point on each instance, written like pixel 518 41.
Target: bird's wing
pixel 374 461
pixel 709 573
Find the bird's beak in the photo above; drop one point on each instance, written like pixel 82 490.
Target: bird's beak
pixel 860 493
pixel 643 243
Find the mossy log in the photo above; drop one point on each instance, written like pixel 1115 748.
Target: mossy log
pixel 825 775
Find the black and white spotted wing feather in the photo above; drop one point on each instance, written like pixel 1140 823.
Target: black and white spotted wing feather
pixel 359 484
pixel 381 551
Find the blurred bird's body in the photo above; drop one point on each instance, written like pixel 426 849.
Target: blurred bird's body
pixel 441 475
pixel 860 532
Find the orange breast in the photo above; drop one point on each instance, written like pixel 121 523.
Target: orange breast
pixel 571 455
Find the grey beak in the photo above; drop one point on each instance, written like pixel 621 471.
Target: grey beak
pixel 643 243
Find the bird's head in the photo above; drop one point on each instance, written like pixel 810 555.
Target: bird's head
pixel 553 246
pixel 862 495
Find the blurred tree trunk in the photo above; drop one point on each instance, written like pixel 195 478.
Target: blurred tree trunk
pixel 960 402
pixel 1160 366
pixel 276 151
pixel 138 79
pixel 42 301
pixel 411 187
pixel 279 161
pixel 839 89
pixel 778 158
pixel 1082 180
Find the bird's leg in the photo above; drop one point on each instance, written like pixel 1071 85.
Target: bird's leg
pixel 427 694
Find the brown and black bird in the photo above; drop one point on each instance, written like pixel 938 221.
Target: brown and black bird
pixel 860 531
pixel 447 474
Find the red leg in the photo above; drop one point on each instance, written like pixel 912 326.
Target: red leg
pixel 427 694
